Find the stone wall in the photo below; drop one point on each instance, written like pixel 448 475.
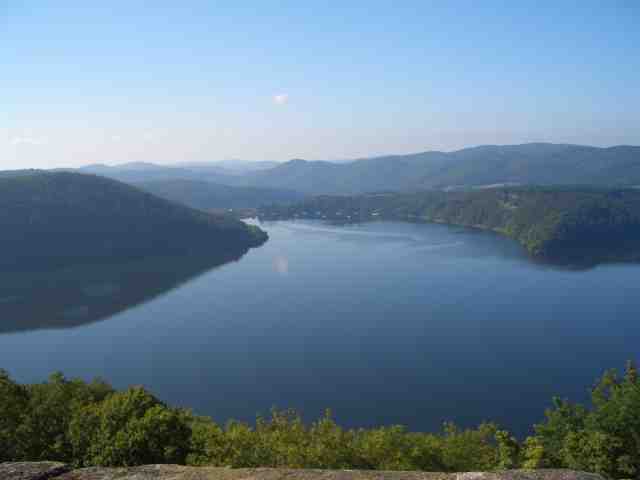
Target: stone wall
pixel 59 471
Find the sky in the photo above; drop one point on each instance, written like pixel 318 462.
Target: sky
pixel 166 82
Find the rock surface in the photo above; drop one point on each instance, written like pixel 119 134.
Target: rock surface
pixel 50 470
pixel 32 470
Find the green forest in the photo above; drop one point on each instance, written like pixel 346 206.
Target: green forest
pixel 86 424
pixel 565 225
pixel 87 219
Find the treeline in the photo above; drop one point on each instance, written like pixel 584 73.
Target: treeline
pixel 92 424
pixel 581 225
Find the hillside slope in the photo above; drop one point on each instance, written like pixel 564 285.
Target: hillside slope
pixel 208 196
pixel 135 172
pixel 58 219
pixel 486 165
pixel 535 163
pixel 226 172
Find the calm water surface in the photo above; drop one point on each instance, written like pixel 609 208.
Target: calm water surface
pixel 383 323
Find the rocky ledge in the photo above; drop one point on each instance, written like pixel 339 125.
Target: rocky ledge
pixel 59 471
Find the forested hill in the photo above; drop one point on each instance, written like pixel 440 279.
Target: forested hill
pixel 564 225
pixel 530 164
pixel 206 195
pixel 58 219
pixel 526 164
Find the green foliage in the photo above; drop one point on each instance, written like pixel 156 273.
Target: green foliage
pixel 508 450
pixel 592 451
pixel 533 454
pixel 384 448
pixel 604 439
pixel 92 424
pixel 207 445
pixel 563 419
pixel 129 428
pixel 13 408
pixel 470 450
pixel 42 434
pixel 330 446
pixel 284 440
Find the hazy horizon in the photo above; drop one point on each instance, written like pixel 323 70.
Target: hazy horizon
pixel 187 163
pixel 114 84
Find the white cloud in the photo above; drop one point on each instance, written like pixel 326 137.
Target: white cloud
pixel 281 98
pixel 27 141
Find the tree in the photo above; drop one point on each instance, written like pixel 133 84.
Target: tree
pixel 13 407
pixel 130 428
pixel 469 450
pixel 43 432
pixel 508 450
pixel 604 439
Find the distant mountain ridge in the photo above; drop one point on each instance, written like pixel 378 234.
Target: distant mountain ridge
pixel 205 186
pixel 532 163
pixel 224 171
pixel 233 167
pixel 135 172
pixel 205 195
pixel 485 165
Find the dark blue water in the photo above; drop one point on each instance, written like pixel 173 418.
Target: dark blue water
pixel 383 323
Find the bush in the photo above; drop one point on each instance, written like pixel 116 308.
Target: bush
pixel 13 407
pixel 129 428
pixel 604 439
pixel 92 424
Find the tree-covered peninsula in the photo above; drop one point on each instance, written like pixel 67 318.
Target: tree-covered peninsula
pixel 561 225
pixel 60 219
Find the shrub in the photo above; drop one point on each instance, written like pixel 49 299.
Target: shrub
pixel 129 428
pixel 92 424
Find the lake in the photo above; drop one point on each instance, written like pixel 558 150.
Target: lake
pixel 383 323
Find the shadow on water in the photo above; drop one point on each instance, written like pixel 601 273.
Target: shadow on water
pixel 84 294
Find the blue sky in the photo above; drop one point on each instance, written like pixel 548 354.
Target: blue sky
pixel 197 81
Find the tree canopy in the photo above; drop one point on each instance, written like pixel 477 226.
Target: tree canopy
pixel 93 424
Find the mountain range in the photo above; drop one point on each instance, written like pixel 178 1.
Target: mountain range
pixel 490 165
pixel 205 195
pixel 482 166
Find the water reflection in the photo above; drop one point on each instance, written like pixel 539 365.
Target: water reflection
pixel 281 265
pixel 382 330
pixel 85 294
